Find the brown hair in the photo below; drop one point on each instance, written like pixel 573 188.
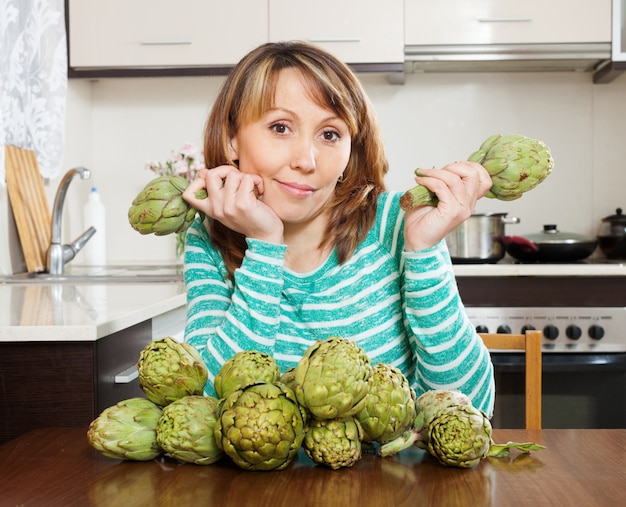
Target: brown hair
pixel 248 93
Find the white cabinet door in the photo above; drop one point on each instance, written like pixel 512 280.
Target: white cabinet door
pixel 164 33
pixel 448 22
pixel 356 31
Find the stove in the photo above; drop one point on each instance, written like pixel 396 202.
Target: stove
pixel 565 329
pixel 581 310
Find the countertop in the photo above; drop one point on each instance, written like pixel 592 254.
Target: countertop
pixel 56 466
pixel 89 311
pixel 82 312
pixel 507 267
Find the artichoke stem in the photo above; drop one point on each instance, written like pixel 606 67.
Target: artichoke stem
pixel 201 194
pixel 417 196
pixel 404 441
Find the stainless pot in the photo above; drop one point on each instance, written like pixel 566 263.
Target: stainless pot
pixel 550 245
pixel 478 240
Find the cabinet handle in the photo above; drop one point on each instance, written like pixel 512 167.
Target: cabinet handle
pixel 164 42
pixel 334 39
pixel 504 20
pixel 127 376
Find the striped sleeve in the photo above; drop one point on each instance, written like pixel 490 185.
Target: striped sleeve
pixel 448 352
pixel 224 318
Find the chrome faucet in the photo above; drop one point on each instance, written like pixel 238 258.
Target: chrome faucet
pixel 59 254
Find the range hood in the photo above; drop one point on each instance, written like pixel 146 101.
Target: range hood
pixel 587 57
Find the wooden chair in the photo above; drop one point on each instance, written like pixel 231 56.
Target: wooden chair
pixel 530 342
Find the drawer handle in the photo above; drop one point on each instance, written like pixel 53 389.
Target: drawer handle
pixel 127 376
pixel 334 39
pixel 164 42
pixel 504 20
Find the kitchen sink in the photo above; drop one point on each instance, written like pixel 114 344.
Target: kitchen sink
pixel 102 275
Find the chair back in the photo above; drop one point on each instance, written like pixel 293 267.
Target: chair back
pixel 530 343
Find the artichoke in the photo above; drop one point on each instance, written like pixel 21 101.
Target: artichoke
pixel 431 402
pixel 331 379
pixel 186 430
pixel 427 406
pixel 459 436
pixel 453 431
pixel 288 377
pixel 515 163
pixel 261 427
pixel 127 430
pixel 335 443
pixel 169 370
pixel 245 368
pixel 389 407
pixel 160 208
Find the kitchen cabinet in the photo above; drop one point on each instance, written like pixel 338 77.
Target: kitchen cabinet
pixel 163 37
pixel 619 33
pixel 163 33
pixel 448 22
pixel 68 351
pixel 66 383
pixel 357 31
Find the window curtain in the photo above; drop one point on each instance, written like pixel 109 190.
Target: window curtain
pixel 33 80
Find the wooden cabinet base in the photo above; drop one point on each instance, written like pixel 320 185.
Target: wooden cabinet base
pixel 46 384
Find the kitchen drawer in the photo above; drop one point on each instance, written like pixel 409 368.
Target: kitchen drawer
pixel 163 33
pixel 356 31
pixel 455 22
pixel 114 355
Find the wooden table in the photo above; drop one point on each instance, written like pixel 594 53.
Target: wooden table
pixel 57 467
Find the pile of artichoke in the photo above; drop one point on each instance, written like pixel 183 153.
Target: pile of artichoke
pixel 174 418
pixel 333 405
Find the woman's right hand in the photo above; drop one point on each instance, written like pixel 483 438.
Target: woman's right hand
pixel 236 200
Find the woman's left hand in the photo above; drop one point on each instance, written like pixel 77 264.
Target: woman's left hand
pixel 457 186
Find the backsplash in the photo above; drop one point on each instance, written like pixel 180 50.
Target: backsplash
pixel 114 126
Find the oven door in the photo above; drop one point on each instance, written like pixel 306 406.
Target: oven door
pixel 579 390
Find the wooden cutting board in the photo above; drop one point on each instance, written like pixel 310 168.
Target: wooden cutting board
pixel 30 206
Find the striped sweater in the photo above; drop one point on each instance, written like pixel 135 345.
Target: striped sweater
pixel 402 308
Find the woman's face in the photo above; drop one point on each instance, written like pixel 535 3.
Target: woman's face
pixel 298 148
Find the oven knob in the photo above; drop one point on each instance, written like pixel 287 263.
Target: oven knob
pixel 482 329
pixel 551 332
pixel 504 329
pixel 573 332
pixel 596 332
pixel 527 327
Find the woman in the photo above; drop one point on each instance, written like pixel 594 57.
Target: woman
pixel 302 242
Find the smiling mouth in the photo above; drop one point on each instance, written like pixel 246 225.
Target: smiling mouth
pixel 296 190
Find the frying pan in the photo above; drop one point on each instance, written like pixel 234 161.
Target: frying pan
pixel 550 245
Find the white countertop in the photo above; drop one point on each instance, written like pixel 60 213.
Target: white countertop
pixel 87 312
pixel 82 312
pixel 508 268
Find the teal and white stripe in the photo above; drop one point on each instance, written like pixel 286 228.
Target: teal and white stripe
pixel 402 308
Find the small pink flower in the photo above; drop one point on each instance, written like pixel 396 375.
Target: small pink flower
pixel 185 162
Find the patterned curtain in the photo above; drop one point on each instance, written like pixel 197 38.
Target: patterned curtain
pixel 33 80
